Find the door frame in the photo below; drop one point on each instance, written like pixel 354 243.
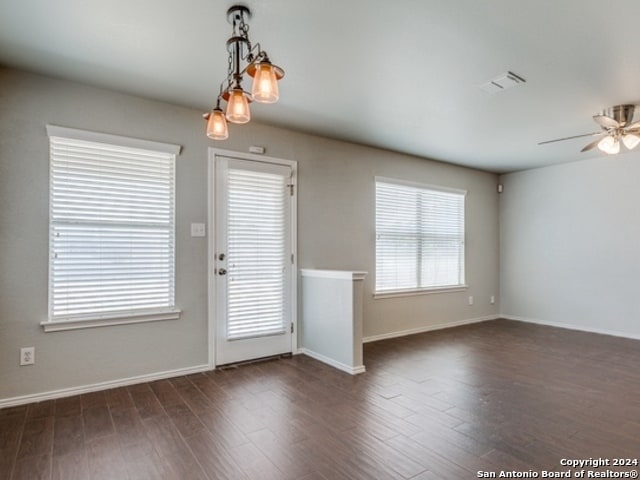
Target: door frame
pixel 211 243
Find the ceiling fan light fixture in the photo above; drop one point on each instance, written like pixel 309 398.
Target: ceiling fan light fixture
pixel 616 125
pixel 615 149
pixel 609 145
pixel 631 141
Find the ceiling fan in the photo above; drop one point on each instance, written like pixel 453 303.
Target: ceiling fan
pixel 616 124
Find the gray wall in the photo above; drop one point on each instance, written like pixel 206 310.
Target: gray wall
pixel 335 231
pixel 569 245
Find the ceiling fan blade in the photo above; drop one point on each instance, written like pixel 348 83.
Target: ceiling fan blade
pixel 591 146
pixel 632 126
pixel 574 136
pixel 606 122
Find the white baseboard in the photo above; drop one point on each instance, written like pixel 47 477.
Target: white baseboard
pixel 568 326
pixel 428 328
pixel 332 362
pixel 94 387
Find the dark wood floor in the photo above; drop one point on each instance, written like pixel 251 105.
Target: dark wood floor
pixel 441 405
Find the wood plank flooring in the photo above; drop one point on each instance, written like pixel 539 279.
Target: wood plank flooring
pixel 441 405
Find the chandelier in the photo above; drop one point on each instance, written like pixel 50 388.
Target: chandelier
pixel 244 57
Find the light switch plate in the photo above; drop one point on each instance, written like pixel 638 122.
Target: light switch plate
pixel 197 229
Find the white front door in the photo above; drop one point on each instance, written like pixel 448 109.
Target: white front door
pixel 253 258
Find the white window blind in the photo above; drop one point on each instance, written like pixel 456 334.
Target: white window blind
pixel 256 253
pixel 111 229
pixel 419 237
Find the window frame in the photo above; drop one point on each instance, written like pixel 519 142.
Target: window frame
pixel 418 290
pixel 100 319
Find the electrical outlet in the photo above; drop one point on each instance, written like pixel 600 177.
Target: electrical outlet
pixel 470 299
pixel 492 299
pixel 27 356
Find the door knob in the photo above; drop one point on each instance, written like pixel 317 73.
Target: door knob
pixel 222 271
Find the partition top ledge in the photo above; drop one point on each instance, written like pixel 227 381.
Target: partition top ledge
pixel 338 274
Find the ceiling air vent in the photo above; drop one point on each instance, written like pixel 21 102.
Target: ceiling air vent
pixel 502 82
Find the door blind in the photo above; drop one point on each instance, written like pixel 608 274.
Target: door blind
pixel 419 238
pixel 257 263
pixel 111 229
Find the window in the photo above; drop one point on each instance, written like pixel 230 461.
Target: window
pixel 419 237
pixel 111 228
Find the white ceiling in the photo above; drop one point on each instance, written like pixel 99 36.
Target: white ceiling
pixel 401 75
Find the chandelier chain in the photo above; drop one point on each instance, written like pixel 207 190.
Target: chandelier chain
pixel 244 32
pixel 229 70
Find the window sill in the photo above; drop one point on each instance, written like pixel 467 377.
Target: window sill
pixel 424 291
pixel 109 320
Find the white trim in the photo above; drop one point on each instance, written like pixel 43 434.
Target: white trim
pixel 294 251
pixel 94 387
pixel 332 362
pixel 254 157
pixel 429 328
pixel 108 320
pixel 420 291
pixel 211 249
pixel 568 326
pixel 88 136
pixel 337 274
pixel 409 183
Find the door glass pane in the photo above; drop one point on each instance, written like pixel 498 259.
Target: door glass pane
pixel 256 254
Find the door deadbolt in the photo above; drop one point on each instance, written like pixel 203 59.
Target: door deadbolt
pixel 221 256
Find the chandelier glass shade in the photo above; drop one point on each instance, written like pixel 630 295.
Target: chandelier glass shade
pixel 217 125
pixel 238 106
pixel 265 83
pixel 244 58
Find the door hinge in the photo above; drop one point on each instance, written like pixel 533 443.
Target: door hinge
pixel 291 327
pixel 291 187
pixel 292 259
